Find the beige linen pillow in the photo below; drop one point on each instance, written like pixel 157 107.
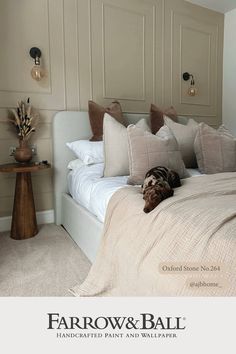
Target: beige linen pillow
pixel 116 146
pixel 147 151
pixel 215 149
pixel 185 136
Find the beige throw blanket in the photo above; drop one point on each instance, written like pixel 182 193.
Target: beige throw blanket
pixel 197 226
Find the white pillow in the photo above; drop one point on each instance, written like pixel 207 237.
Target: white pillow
pixel 89 152
pixel 143 124
pixel 74 164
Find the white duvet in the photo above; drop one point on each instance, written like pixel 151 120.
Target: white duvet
pixel 89 189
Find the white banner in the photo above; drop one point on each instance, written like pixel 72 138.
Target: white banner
pixel 166 325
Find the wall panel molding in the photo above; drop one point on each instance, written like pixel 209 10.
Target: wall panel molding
pixel 133 57
pixel 71 54
pixel 125 60
pixel 82 39
pixel 193 44
pixel 39 23
pixel 206 100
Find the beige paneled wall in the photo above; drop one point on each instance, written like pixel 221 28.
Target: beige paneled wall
pixel 24 24
pixel 126 62
pixel 194 44
pixel 229 109
pixel 131 50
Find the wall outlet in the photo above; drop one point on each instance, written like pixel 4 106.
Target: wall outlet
pixel 34 149
pixel 12 150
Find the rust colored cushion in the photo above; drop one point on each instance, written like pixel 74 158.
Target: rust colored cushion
pixel 96 114
pixel 157 117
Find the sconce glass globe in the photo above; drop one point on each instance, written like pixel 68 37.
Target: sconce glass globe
pixel 192 91
pixel 37 73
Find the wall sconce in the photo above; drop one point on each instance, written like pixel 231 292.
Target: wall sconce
pixel 192 90
pixel 37 72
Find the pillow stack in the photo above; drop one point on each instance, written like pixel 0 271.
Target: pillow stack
pixel 134 150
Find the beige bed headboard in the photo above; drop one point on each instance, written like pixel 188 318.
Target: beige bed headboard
pixel 70 126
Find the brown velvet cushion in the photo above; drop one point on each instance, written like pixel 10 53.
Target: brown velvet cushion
pixel 157 117
pixel 96 114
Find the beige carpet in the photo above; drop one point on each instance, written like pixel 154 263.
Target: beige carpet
pixel 45 265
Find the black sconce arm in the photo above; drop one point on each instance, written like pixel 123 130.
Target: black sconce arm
pixel 187 76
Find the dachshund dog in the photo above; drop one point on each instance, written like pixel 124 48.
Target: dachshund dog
pixel 158 185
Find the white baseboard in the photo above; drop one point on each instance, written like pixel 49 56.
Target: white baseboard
pixel 43 217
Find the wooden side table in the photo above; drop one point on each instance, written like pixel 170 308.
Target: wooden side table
pixel 24 224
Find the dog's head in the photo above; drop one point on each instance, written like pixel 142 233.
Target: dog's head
pixel 149 181
pixel 153 195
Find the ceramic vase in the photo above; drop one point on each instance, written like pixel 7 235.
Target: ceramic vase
pixel 23 153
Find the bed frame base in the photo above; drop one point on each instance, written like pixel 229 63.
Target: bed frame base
pixel 84 228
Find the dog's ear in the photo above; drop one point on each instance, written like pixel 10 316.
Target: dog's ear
pixel 174 179
pixel 146 192
pixel 155 194
pixel 167 192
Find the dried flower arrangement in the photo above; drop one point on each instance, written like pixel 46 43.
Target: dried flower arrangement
pixel 24 119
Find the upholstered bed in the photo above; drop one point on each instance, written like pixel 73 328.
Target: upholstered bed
pixel 196 226
pixel 84 228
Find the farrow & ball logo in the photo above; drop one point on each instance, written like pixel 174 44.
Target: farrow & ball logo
pixel 146 325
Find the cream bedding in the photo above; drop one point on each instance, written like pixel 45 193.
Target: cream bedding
pixel 197 225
